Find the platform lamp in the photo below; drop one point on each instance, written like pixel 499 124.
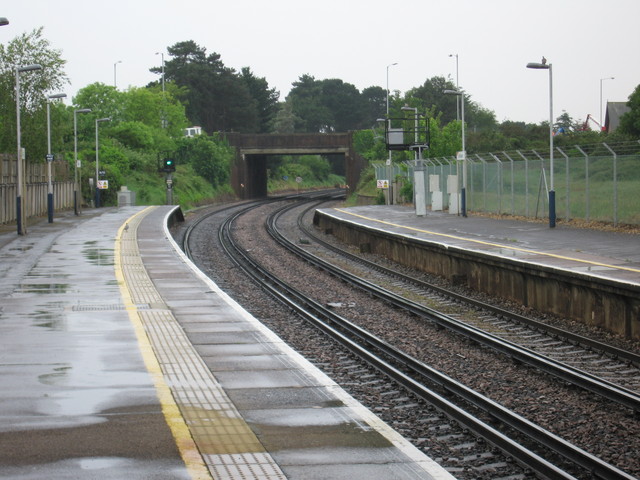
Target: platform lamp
pixel 463 190
pixel 389 167
pixel 76 207
pixel 543 65
pixel 98 120
pixel 3 21
pixel 50 156
pixel 20 218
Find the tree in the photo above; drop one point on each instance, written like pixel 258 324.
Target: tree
pixel 630 121
pixel 216 97
pixel 329 105
pixel 266 98
pixel 103 100
pixel 284 120
pixel 27 49
pixel 375 100
pixel 210 158
pixel 306 100
pixel 431 94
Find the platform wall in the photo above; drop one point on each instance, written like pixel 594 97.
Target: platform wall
pixel 607 304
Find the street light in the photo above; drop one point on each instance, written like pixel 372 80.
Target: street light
pixel 457 86
pixel 98 120
pixel 389 170
pixel 463 191
pixel 76 208
pixel 3 21
pixel 19 210
pixel 543 65
pixel 50 156
pixel 601 80
pixel 115 84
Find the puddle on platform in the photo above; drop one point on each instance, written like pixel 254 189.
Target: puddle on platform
pixel 97 255
pixel 44 288
pixel 56 377
pixel 50 319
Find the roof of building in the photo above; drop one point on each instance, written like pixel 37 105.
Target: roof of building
pixel 614 111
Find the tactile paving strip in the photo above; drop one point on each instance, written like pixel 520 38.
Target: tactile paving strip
pixel 227 445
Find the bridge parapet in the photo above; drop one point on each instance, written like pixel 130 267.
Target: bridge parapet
pixel 277 143
pixel 248 175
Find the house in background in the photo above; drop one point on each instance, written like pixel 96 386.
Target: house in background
pixel 615 110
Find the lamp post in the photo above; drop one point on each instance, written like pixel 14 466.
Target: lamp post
pixel 115 83
pixel 389 169
pixel 20 217
pixel 601 80
pixel 457 87
pixel 76 207
pixel 543 65
pixel 50 156
pixel 98 120
pixel 463 191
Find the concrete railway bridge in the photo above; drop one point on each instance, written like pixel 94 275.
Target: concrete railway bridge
pixel 249 171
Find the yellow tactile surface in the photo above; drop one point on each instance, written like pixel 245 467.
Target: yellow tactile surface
pixel 213 439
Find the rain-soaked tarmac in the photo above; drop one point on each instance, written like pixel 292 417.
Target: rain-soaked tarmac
pixel 76 399
pixel 118 359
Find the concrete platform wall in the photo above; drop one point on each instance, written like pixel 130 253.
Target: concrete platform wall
pixel 607 304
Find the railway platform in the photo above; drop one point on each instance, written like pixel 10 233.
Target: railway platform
pixel 586 275
pixel 119 359
pixel 599 253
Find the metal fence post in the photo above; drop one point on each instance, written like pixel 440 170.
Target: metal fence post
pixel 513 198
pixel 499 165
pixel 526 183
pixel 615 185
pixel 586 181
pixel 566 159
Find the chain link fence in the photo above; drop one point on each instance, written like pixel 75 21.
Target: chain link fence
pixel 597 182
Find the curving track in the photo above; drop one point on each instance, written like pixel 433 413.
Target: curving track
pixel 417 377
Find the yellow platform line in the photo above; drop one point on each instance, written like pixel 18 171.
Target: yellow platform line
pixel 491 244
pixel 186 446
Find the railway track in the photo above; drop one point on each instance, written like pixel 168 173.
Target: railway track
pixel 538 450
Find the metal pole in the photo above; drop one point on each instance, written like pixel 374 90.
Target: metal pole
pixel 49 185
pixel 463 192
pixel 97 193
pixel 566 159
pixel 76 206
pixel 19 159
pixel 389 168
pixel 615 184
pixel 75 162
pixel 20 212
pixel 552 192
pixel 50 157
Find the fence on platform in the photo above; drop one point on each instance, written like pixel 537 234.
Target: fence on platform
pixel 36 183
pixel 597 182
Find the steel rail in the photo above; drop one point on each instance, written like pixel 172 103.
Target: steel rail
pixel 561 370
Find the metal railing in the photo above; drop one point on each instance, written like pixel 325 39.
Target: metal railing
pixel 36 189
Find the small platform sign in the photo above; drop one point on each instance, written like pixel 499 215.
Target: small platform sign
pixel 383 184
pixel 103 184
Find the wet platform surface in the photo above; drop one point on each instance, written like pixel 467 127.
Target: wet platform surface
pixel 605 254
pixel 118 359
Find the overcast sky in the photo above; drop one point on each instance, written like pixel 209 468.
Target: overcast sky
pixel 355 41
